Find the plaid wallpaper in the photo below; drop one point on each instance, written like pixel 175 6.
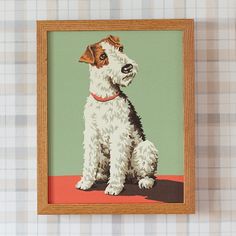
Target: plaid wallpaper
pixel 215 31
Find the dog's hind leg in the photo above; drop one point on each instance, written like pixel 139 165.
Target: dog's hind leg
pixel 103 167
pixel 144 161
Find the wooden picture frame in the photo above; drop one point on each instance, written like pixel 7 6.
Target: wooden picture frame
pixel 186 26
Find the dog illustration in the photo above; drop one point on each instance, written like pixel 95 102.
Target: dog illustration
pixel 115 148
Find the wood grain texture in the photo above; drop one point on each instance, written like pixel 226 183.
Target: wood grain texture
pixel 185 25
pixel 42 129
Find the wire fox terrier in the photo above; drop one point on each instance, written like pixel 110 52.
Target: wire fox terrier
pixel 115 148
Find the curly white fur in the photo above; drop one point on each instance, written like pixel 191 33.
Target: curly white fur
pixel 114 149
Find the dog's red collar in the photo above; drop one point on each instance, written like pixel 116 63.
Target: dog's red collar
pixel 100 99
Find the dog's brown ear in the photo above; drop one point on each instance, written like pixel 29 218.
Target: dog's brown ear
pixel 114 39
pixel 88 56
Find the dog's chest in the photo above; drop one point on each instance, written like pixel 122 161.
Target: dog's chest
pixel 108 115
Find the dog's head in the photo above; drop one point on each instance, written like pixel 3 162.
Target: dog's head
pixel 108 61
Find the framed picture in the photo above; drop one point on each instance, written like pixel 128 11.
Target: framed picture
pixel 115 116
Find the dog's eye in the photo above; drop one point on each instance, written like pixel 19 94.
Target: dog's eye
pixel 103 56
pixel 121 49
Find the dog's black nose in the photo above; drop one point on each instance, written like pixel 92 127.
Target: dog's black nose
pixel 127 68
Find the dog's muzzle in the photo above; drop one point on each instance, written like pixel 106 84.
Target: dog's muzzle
pixel 127 68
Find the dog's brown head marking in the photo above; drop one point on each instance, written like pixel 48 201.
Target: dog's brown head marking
pixel 95 54
pixel 114 41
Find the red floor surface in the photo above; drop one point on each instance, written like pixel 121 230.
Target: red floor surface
pixel 166 189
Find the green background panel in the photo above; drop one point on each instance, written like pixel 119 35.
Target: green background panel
pixel 156 93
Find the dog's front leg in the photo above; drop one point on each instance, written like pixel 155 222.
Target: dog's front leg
pixel 91 158
pixel 120 154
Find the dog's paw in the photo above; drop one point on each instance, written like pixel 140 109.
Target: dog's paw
pixel 146 183
pixel 113 190
pixel 84 184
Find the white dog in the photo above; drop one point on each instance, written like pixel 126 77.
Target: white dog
pixel 114 142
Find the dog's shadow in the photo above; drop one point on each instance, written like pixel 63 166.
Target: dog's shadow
pixel 163 190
